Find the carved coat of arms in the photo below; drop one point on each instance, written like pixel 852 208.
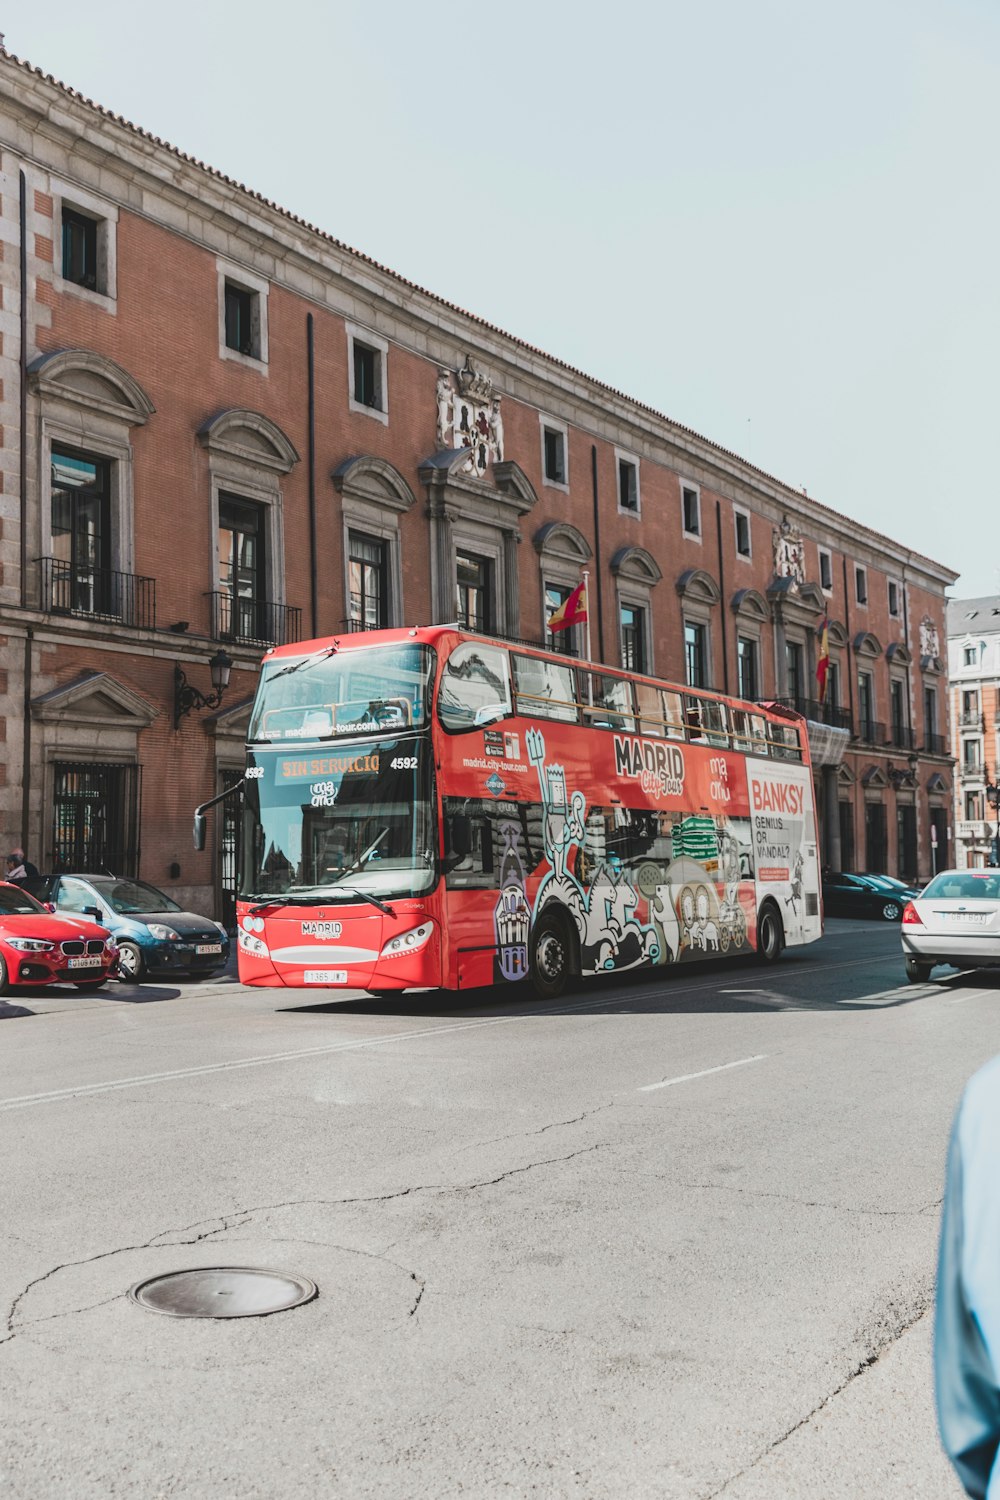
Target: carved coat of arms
pixel 469 416
pixel 930 644
pixel 789 553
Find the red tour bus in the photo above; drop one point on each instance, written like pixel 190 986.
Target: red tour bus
pixel 427 807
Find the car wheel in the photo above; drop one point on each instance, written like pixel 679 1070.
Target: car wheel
pixel 131 964
pixel 4 976
pixel 550 956
pixel 89 984
pixel 918 972
pixel 770 936
pixel 891 911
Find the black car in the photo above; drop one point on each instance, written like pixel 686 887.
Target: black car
pixel 153 934
pixel 880 896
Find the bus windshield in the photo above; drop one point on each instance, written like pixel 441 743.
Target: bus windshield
pixel 331 693
pixel 340 824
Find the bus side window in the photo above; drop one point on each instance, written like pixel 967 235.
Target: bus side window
pixel 673 715
pixel 545 689
pixel 694 719
pixel 475 687
pixel 786 738
pixel 649 702
pixel 468 843
pixel 740 721
pixel 606 701
pixel 758 732
pixel 714 719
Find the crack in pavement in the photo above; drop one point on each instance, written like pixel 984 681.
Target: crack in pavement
pixel 840 1208
pixel 237 1219
pixel 919 1308
pixel 523 1135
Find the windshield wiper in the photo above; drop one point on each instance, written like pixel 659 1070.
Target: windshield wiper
pixel 324 898
pixel 305 661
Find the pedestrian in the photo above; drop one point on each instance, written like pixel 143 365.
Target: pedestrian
pixel 20 871
pixel 967 1313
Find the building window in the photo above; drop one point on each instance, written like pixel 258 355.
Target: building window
pixel 95 817
pixel 368 373
pixel 242 320
pixel 825 570
pixel 79 249
pixel 563 641
pixel 897 709
pixel 242 591
pixel 367 574
pixel 628 485
pixel 861 585
pixel 969 656
pixel 893 597
pixel 832 696
pixel 696 654
pixel 794 670
pixel 971 755
pixel 742 533
pixel 474 582
pixel 930 715
pixel 554 454
pixel 633 638
pixel 749 677
pixel 81 532
pixel 974 806
pixel 866 706
pixel 691 510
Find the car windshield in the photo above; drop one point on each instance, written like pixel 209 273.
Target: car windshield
pixel 15 903
pixel 964 885
pixel 128 896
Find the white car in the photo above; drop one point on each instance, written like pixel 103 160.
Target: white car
pixel 955 920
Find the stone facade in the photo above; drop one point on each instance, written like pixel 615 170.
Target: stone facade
pixel 974 671
pixel 203 371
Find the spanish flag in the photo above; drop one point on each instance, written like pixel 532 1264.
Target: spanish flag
pixel 823 658
pixel 572 611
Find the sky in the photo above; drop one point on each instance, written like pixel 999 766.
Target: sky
pixel 775 222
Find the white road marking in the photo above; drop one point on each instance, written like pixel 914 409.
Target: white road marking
pixel 667 1083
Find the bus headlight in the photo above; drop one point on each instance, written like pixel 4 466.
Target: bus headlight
pixel 251 944
pixel 408 942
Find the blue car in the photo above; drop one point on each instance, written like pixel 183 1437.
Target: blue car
pixel 154 936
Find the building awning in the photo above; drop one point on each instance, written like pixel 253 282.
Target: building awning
pixel 827 743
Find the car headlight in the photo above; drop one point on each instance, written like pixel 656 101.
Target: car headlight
pixel 110 946
pixel 31 945
pixel 223 930
pixel 251 944
pixel 165 934
pixel 408 942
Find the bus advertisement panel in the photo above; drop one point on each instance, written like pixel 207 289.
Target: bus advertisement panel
pixel 424 808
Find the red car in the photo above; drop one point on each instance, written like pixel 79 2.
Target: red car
pixel 39 948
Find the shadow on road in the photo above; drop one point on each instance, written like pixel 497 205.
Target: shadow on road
pixel 712 987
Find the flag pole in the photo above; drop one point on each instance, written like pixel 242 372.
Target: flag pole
pixel 586 595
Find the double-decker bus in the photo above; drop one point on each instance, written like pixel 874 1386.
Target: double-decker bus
pixel 432 808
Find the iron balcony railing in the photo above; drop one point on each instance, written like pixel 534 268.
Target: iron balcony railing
pixel 972 773
pixel 975 829
pixel 934 743
pixel 254 622
pixel 99 593
pixel 819 713
pixel 901 737
pixel 871 732
pixel 971 718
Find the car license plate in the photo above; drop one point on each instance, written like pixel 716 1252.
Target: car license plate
pixel 208 948
pixel 86 963
pixel 975 917
pixel 325 976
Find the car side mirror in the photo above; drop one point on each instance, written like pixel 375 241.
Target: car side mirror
pixel 49 906
pixel 92 911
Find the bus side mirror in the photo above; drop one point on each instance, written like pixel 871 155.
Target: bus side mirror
pixel 199 831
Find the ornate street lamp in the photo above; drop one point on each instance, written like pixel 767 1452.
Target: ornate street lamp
pixel 187 697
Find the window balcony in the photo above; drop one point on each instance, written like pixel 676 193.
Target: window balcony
pixel 819 713
pixel 901 737
pixel 971 718
pixel 98 594
pixel 254 622
pixel 974 830
pixel 934 744
pixel 971 773
pixel 871 732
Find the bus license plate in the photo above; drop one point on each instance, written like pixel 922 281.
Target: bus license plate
pixel 85 963
pixel 208 948
pixel 325 976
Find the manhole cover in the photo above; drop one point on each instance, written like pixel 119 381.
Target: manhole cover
pixel 222 1292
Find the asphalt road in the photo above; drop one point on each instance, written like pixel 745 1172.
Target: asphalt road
pixel 664 1239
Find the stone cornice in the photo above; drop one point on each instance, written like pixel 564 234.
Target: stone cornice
pixel 156 181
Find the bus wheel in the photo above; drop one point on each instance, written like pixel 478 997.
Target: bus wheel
pixel 550 956
pixel 770 935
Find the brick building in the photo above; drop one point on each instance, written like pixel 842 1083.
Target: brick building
pixel 974 673
pixel 222 427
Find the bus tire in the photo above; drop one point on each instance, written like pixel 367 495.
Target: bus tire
pixel 551 954
pixel 770 934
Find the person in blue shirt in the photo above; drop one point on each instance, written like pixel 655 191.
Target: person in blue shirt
pixel 967 1310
